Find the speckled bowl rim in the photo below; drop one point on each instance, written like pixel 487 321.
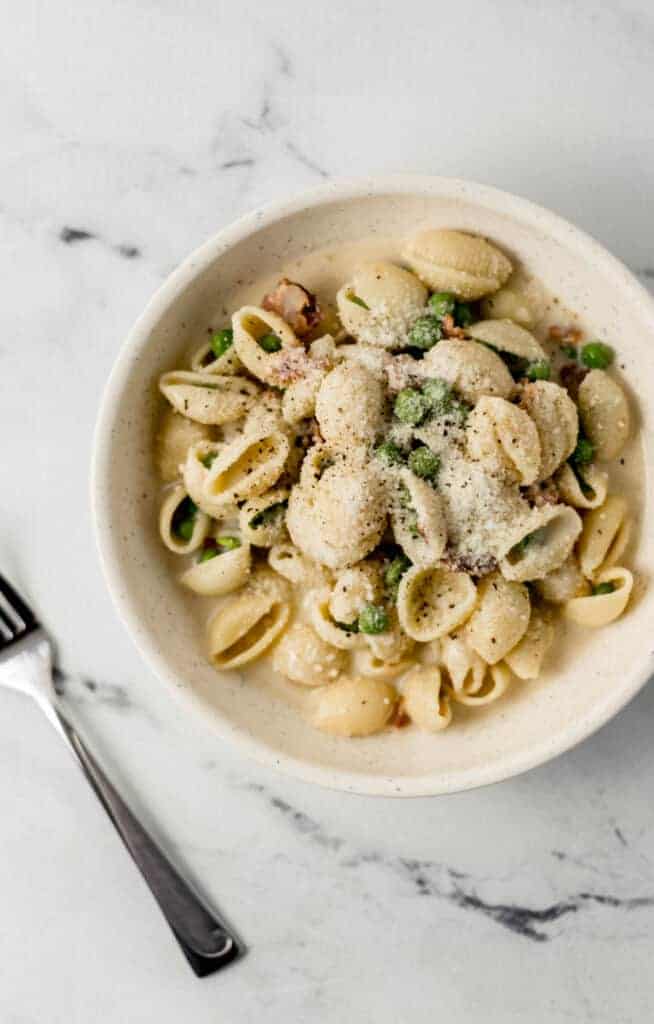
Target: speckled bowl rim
pixel 535 217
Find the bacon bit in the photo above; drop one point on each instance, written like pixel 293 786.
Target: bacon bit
pixel 295 304
pixel 450 330
pixel 569 335
pixel 476 565
pixel 571 377
pixel 401 371
pixel 401 719
pixel 293 364
pixel 544 493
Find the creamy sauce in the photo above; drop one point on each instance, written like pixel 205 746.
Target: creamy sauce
pixel 324 272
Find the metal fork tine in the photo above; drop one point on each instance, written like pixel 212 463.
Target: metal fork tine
pixel 9 626
pixel 18 605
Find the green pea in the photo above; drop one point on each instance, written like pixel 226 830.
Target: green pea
pixel 209 551
pixel 357 300
pixel 268 516
pixel 596 355
pixel 373 619
pixel 183 521
pixel 411 406
pixel 438 394
pixel 570 352
pixel 410 516
pixel 221 341
pixel 539 370
pixel 463 314
pixel 228 543
pixel 270 343
pixel 424 463
pixel 584 452
pixel 424 334
pixel 389 453
pixel 209 459
pixel 394 572
pixel 603 588
pixel 442 304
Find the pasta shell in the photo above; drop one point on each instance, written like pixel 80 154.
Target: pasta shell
pixel 563 583
pixel 176 435
pixel 541 543
pixel 289 562
pixel 195 472
pixel 337 519
pixel 208 398
pixel 368 664
pixel 380 303
pixel 504 438
pixel 353 707
pixel 278 369
pixel 583 487
pixel 471 369
pixel 521 300
pixel 555 416
pixel 299 400
pixel 500 618
pixel 496 682
pixel 220 575
pixel 526 659
pixel 262 519
pixel 508 337
pixel 599 609
pixel 604 412
pixel 204 361
pixel 353 589
pixel 305 658
pixel 451 261
pixel 246 625
pixel 175 543
pixel 325 626
pixel 424 699
pixel 418 519
pixel 246 468
pixel 465 669
pixel 349 407
pixel 433 602
pixel 266 416
pixel 393 645
pixel 605 536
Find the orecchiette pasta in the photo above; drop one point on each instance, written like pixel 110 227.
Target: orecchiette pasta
pixel 433 602
pixel 223 573
pixel 379 304
pixel 451 261
pixel 508 337
pixel 246 468
pixel 469 367
pixel 500 618
pixel 526 659
pixel 604 413
pixel 304 657
pixel 555 416
pixel 208 398
pixel 366 507
pixel 182 526
pixel 505 437
pixel 354 707
pixel 175 437
pixel 541 543
pixel 605 536
pixel 262 519
pixel 349 407
pixel 607 601
pixel 249 622
pixel 582 486
pixel 424 701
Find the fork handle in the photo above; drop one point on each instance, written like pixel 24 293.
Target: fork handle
pixel 205 940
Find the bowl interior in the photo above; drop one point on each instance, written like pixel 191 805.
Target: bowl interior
pixel 575 694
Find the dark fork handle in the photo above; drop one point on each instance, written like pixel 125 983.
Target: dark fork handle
pixel 206 941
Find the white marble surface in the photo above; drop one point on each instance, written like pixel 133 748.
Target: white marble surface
pixel 148 125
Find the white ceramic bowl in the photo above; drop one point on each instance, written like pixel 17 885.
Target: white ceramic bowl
pixel 538 720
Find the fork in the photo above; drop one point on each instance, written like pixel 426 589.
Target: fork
pixel 26 665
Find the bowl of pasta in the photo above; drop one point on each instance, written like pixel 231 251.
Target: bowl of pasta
pixel 369 481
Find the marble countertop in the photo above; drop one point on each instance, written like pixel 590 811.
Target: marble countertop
pixel 132 132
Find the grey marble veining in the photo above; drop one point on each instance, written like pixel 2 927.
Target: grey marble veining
pixel 132 132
